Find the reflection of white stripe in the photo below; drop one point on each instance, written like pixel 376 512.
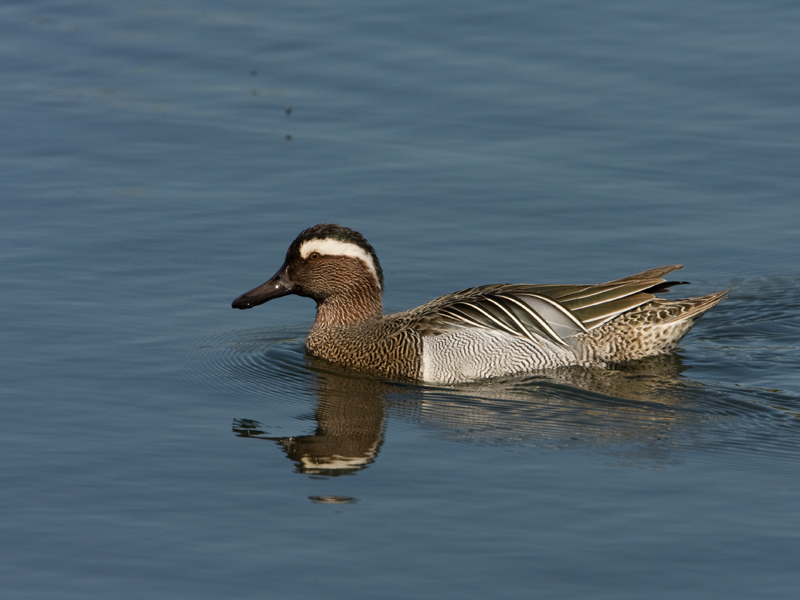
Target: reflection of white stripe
pixel 331 463
pixel 331 247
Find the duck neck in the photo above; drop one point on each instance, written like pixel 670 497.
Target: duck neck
pixel 359 304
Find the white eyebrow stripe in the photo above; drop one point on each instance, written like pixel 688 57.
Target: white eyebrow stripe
pixel 329 247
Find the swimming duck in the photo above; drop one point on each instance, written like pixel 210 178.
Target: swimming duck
pixel 476 333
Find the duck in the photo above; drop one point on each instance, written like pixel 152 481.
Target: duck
pixel 478 333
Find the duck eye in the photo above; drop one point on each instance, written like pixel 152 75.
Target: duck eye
pixel 313 256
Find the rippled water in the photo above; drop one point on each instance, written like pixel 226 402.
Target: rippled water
pixel 160 157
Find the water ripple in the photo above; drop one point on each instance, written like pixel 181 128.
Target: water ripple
pixel 260 362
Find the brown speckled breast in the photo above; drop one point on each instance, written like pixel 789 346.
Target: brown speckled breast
pixel 383 347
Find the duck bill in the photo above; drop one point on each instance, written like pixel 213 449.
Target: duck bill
pixel 279 285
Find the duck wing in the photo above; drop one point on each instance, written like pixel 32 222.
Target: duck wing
pixel 595 305
pixel 555 312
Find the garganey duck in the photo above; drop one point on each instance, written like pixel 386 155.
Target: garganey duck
pixel 477 333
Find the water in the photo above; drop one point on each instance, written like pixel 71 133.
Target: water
pixel 158 158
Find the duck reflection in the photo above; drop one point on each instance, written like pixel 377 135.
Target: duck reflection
pixel 643 403
pixel 349 433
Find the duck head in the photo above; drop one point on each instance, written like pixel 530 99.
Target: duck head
pixel 332 264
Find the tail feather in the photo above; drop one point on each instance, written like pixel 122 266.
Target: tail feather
pixel 695 307
pixel 656 273
pixel 652 328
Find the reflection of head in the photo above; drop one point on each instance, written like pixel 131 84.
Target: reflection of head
pixel 349 430
pixel 328 454
pixel 349 427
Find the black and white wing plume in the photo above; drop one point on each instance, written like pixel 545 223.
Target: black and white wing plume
pixel 553 312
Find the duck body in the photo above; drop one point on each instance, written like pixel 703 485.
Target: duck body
pixel 476 333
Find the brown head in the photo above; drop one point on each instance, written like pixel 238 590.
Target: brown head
pixel 335 266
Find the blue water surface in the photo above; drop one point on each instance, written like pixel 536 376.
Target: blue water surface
pixel 159 157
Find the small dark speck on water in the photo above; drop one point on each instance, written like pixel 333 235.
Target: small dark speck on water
pixel 289 111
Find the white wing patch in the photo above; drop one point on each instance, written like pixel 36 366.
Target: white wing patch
pixel 329 247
